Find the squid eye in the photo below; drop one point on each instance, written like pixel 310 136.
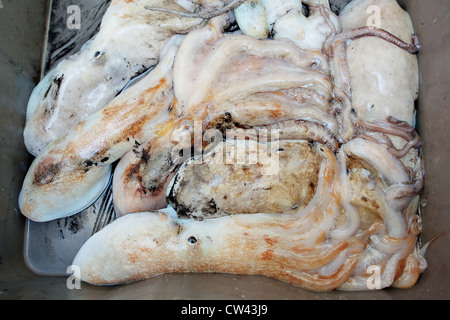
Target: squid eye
pixel 99 57
pixel 305 10
pixel 192 240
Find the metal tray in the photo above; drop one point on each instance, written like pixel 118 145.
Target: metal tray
pixel 50 248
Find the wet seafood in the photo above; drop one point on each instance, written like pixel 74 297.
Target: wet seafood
pixel 128 43
pixel 73 170
pixel 250 83
pixel 196 187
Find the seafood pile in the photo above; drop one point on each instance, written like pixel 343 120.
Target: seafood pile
pixel 269 137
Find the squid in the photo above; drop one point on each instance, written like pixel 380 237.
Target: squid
pixel 128 43
pixel 255 154
pixel 283 247
pixel 252 19
pixel 380 71
pixel 250 83
pixel 366 61
pixel 287 21
pixel 73 170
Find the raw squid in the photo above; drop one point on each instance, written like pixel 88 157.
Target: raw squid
pixel 128 43
pixel 287 21
pixel 283 247
pixel 251 17
pixel 343 194
pixel 384 77
pixel 142 175
pixel 73 170
pixel 250 83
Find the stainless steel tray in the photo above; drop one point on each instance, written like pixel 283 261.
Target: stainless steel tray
pixel 22 32
pixel 50 248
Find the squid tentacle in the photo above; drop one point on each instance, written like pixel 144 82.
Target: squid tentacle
pixel 396 128
pixel 328 15
pixel 336 51
pixel 403 130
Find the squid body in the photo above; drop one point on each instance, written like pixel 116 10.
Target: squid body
pixel 129 42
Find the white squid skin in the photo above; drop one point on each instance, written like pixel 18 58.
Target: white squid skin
pixel 251 17
pixel 287 21
pixel 385 78
pixel 73 170
pixel 183 253
pixel 210 49
pixel 129 42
